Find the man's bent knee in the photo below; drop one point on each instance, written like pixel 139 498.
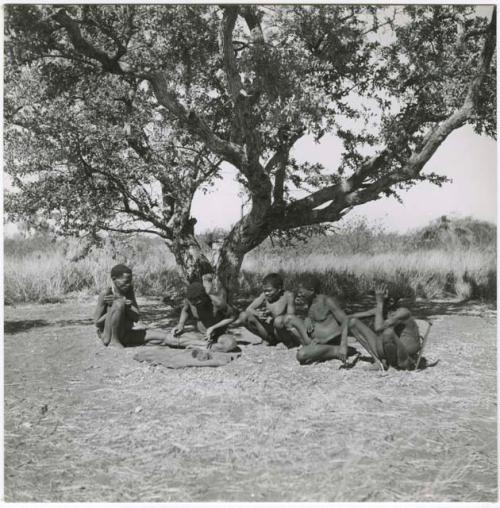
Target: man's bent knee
pixel 243 316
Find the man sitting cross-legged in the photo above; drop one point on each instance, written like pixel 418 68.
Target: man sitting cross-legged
pixel 325 322
pixel 270 315
pixel 396 336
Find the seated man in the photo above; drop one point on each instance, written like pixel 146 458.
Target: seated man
pixel 268 316
pixel 212 315
pixel 117 311
pixel 396 337
pixel 324 323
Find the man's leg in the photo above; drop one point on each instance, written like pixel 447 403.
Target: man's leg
pixel 294 325
pixel 317 353
pixel 187 339
pixel 401 349
pixel 252 323
pixel 285 332
pixel 368 339
pixel 115 324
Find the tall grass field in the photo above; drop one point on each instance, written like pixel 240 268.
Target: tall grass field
pixel 448 258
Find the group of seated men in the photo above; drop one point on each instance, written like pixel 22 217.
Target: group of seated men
pixel 392 340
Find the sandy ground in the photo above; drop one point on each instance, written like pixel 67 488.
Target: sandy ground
pixel 85 423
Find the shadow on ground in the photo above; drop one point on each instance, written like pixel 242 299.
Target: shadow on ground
pixel 430 308
pixel 12 327
pixel 22 326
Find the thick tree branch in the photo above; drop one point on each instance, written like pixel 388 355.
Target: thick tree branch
pixel 280 161
pixel 81 44
pixel 126 196
pixel 197 125
pixel 227 27
pixel 354 190
pixel 253 22
pixel 132 230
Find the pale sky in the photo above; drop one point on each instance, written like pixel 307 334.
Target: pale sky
pixel 468 159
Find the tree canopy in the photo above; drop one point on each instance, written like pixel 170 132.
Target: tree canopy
pixel 116 115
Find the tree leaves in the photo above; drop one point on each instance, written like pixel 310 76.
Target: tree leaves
pixel 86 128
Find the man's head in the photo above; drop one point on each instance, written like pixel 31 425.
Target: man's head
pixel 272 286
pixel 121 275
pixel 392 300
pixel 207 278
pixel 309 286
pixel 393 294
pixel 196 294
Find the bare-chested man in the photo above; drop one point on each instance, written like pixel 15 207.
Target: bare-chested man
pixel 268 316
pixel 396 338
pixel 117 311
pixel 325 322
pixel 212 315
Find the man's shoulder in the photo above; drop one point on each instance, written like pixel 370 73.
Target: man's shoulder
pixel 329 298
pixel 105 292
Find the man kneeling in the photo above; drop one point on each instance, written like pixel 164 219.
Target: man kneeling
pixel 212 315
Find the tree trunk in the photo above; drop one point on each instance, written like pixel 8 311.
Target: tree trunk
pixel 187 250
pixel 189 257
pixel 228 268
pixel 247 234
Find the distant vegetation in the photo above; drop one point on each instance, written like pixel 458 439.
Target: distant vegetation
pixel 448 258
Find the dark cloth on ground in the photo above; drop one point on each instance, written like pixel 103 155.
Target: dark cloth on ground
pixel 181 358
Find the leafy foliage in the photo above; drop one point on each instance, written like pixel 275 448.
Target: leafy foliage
pixel 117 114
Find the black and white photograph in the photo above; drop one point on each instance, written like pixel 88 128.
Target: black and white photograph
pixel 250 253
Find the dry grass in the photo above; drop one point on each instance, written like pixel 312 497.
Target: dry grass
pixel 471 273
pixel 427 274
pixel 84 423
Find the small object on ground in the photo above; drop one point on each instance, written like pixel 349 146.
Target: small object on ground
pixel 44 409
pixel 201 355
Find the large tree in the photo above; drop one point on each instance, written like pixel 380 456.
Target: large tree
pixel 117 115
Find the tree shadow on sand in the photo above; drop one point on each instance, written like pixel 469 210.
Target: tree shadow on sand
pixel 426 309
pixel 12 327
pixel 423 365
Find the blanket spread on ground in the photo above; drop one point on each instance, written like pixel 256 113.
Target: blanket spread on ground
pixel 180 358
